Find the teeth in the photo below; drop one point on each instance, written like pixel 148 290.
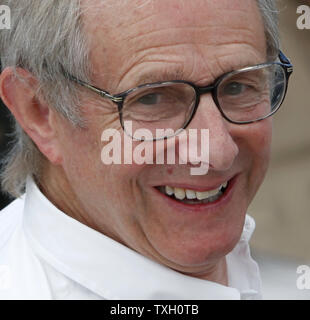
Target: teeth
pixel 190 194
pixel 169 191
pixel 212 193
pixel 181 193
pixel 203 195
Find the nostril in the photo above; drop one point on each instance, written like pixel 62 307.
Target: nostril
pixel 223 152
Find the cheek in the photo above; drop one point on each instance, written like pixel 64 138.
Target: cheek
pixel 254 141
pixel 83 146
pixel 102 184
pixel 256 153
pixel 260 140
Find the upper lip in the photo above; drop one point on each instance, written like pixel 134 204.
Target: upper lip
pixel 202 187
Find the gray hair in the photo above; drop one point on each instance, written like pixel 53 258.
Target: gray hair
pixel 45 38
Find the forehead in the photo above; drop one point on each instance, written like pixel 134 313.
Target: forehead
pixel 135 38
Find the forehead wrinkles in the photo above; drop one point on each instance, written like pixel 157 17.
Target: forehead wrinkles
pixel 127 30
pixel 113 15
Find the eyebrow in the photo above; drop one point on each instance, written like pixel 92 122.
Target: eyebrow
pixel 159 76
pixel 176 73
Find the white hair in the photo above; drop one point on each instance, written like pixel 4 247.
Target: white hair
pixel 46 37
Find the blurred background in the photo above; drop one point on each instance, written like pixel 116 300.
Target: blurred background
pixel 282 207
pixel 5 129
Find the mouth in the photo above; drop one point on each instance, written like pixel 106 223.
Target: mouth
pixel 190 196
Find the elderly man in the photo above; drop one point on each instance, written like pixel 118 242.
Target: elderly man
pixel 85 229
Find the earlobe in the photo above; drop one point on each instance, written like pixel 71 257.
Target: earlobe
pixel 18 92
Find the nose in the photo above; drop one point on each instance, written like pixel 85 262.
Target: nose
pixel 222 148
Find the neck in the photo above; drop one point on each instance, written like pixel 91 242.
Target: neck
pixel 57 189
pixel 216 273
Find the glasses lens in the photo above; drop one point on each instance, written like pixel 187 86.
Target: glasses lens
pixel 159 110
pixel 252 94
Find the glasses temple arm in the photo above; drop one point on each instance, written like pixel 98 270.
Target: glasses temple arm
pixel 101 92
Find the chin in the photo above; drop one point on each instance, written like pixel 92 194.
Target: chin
pixel 199 251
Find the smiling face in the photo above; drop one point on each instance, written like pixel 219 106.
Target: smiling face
pixel 160 40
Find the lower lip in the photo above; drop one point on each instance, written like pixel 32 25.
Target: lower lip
pixel 222 201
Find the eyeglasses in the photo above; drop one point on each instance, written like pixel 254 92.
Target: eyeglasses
pixel 242 96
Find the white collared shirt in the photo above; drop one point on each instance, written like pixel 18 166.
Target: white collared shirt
pixel 45 254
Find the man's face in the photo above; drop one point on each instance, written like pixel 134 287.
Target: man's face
pixel 134 42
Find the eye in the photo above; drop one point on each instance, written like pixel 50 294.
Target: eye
pixel 149 99
pixel 234 88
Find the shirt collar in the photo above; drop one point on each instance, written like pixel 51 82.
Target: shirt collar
pixel 102 265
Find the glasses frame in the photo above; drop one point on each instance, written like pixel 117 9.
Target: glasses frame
pixel 119 98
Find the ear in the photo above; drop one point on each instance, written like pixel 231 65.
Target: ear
pixel 35 117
